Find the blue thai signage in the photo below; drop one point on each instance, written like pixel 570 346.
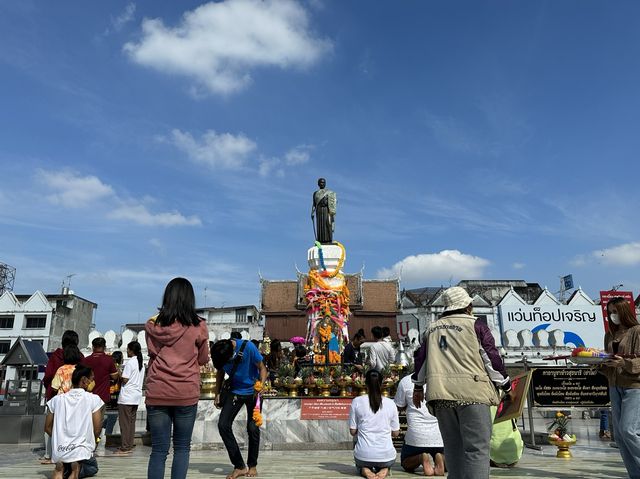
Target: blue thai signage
pixel 581 325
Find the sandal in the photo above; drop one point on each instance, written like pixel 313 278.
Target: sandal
pixel 121 452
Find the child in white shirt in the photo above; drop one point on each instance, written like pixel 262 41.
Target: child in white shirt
pixel 73 422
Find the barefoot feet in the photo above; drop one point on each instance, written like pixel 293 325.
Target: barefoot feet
pixel 253 472
pixel 426 465
pixel 58 471
pixel 382 473
pixel 368 473
pixel 75 470
pixel 238 473
pixel 439 469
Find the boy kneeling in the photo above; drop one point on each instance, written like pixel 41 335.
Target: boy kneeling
pixel 73 422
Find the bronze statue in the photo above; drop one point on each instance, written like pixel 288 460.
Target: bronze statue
pixel 324 210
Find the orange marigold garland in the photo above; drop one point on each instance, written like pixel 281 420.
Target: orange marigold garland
pixel 334 357
pixel 327 296
pixel 257 414
pixel 325 333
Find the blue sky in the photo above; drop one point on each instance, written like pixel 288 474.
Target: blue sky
pixel 466 140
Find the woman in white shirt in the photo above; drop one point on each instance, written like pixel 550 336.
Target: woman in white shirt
pixel 374 420
pixel 130 397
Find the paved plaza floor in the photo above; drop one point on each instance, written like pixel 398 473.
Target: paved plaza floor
pixel 589 461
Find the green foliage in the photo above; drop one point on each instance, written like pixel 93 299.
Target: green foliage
pixel 286 370
pixel 560 424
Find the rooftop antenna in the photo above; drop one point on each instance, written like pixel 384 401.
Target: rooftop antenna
pixel 66 283
pixel 7 277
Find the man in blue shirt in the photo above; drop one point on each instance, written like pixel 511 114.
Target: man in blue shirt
pixel 250 367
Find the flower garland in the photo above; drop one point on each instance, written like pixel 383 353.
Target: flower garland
pixel 334 357
pixel 327 296
pixel 325 273
pixel 257 414
pixel 325 333
pixel 331 305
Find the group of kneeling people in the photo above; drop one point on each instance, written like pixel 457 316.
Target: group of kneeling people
pixel 374 420
pixel 451 419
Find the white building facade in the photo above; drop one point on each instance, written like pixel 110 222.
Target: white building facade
pixel 43 318
pixel 525 319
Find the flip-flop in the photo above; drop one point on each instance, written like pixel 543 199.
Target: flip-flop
pixel 121 453
pixel 44 460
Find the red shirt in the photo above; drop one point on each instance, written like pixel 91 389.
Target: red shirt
pixel 103 367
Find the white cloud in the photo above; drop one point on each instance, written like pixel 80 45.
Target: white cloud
pixel 219 43
pixel 440 266
pixel 226 151
pixel 73 190
pixel 298 155
pixel 159 246
pixel 518 265
pixel 627 254
pixel 125 17
pixel 216 150
pixel 578 261
pixel 266 166
pixel 139 214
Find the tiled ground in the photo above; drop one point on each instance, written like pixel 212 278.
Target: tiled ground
pixel 590 461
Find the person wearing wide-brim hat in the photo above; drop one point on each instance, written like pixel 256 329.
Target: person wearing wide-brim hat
pixel 463 370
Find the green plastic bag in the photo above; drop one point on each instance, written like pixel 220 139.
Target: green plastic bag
pixel 506 442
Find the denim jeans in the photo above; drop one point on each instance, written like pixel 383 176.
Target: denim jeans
pixel 625 410
pixel 88 468
pixel 604 419
pixel 162 419
pixel 110 420
pixel 230 409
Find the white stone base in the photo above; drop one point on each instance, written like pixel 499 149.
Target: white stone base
pixel 331 255
pixel 282 429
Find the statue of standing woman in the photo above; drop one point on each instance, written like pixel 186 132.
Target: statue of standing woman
pixel 324 211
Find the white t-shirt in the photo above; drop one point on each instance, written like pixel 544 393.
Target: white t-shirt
pixel 72 438
pixel 374 430
pixel 422 427
pixel 131 393
pixel 380 356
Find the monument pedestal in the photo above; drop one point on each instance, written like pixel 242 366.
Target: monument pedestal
pixel 283 428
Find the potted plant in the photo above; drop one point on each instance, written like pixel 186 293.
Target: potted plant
pixel 308 380
pixel 324 386
pixel 360 385
pixel 291 385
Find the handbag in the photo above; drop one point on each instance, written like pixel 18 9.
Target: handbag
pixel 225 388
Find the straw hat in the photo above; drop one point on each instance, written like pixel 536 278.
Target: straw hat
pixel 456 298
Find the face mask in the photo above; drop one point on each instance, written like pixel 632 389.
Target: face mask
pixel 91 385
pixel 615 319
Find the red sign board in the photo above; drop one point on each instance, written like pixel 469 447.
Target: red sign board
pixel 325 408
pixel 606 296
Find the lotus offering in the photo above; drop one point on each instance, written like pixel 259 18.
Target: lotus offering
pixel 559 435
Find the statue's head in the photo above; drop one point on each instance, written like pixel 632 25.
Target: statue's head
pixel 322 182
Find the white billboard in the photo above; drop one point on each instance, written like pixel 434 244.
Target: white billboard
pixel 582 325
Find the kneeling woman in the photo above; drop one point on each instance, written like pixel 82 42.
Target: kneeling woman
pixel 373 419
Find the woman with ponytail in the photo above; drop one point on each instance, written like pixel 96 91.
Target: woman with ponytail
pixel 130 396
pixel 374 420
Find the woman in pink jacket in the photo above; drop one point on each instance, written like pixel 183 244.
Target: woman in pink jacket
pixel 178 344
